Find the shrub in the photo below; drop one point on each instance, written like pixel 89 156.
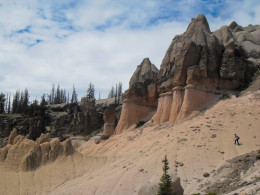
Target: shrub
pixel 226 96
pixel 257 157
pixel 139 124
pixel 212 193
pixel 256 75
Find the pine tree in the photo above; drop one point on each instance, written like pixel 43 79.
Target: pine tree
pixel 111 92
pixel 25 101
pixel 43 101
pixel 52 95
pixel 165 184
pixel 116 93
pixel 9 105
pixel 119 91
pixel 91 91
pixel 16 99
pixel 2 103
pixel 57 97
pixel 6 103
pixel 74 96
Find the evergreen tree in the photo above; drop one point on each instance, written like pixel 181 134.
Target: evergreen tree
pixel 91 91
pixel 43 101
pixel 68 98
pixel 74 96
pixel 2 103
pixel 6 103
pixel 111 92
pixel 9 105
pixel 116 93
pixel 119 91
pixel 52 95
pixel 165 184
pixel 16 99
pixel 57 96
pixel 25 101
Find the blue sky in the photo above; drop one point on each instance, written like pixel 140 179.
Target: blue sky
pixel 70 42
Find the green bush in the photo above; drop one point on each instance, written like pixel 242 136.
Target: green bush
pixel 212 193
pixel 256 75
pixel 226 96
pixel 139 124
pixel 257 157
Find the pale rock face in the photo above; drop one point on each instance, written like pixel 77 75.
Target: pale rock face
pixel 164 108
pixel 197 67
pixel 194 101
pixel 140 100
pixel 110 119
pixel 177 96
pixel 131 114
pixel 207 62
pixel 27 155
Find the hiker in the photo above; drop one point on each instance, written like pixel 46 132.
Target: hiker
pixel 236 139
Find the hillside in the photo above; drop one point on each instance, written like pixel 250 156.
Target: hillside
pixel 125 162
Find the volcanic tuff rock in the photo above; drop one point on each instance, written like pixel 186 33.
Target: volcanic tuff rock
pixel 27 155
pixel 198 67
pixel 142 87
pixel 145 71
pixel 140 100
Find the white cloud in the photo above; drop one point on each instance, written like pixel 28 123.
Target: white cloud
pixel 95 41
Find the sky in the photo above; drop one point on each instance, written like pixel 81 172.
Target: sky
pixel 75 42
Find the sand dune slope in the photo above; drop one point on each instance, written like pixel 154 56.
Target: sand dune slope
pixel 125 162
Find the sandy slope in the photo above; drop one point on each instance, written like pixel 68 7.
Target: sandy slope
pixel 125 162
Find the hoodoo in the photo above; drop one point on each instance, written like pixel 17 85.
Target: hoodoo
pixel 140 100
pixel 198 67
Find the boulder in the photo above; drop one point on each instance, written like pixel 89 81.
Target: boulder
pixel 152 187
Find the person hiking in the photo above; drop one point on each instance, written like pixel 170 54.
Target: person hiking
pixel 236 139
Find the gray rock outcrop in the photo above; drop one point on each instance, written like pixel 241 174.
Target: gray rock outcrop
pixel 152 187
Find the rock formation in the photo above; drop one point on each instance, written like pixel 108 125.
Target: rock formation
pixel 200 65
pixel 197 69
pixel 27 155
pixel 140 100
pixel 111 111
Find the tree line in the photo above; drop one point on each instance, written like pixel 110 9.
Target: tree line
pixel 20 103
pixel 116 92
